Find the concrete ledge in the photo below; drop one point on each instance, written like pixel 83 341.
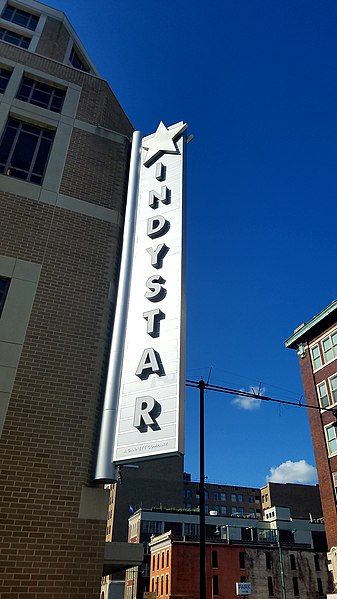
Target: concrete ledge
pixel 121 556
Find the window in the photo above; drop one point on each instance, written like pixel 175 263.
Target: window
pixel 216 496
pixel 158 561
pixel 323 394
pixel 240 498
pixel 163 560
pixel 333 386
pixel 4 78
pixel 330 432
pixel 250 499
pixel 217 509
pixel 238 511
pixel 152 527
pixel 187 506
pixel 320 587
pixel 187 493
pixel 4 285
pixel 14 38
pixel 153 562
pixel 215 584
pixel 330 347
pixel 242 560
pixel 270 586
pixel 268 560
pixel 166 584
pixel 41 94
pixel 75 60
pixel 206 494
pixel 243 579
pixel 24 151
pixel 214 558
pixel 334 480
pixel 295 586
pixel 316 357
pixel 223 510
pixel 292 562
pixel 162 585
pixel 222 496
pixel 233 498
pixel 317 564
pixel 167 558
pixel 206 509
pixel 192 530
pixel 20 17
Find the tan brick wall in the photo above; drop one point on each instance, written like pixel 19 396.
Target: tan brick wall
pixel 54 40
pixel 48 439
pixel 95 170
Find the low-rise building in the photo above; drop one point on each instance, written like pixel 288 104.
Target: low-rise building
pixel 245 537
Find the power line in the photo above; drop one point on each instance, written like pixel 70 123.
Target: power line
pixel 240 392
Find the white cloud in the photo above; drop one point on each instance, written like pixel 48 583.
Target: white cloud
pixel 249 403
pixel 293 472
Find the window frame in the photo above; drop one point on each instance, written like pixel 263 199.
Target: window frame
pixel 16 10
pixel 326 427
pixel 318 343
pixel 319 396
pixel 74 53
pixel 40 135
pixel 18 35
pixel 53 92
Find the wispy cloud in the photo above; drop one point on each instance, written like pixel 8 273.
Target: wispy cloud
pixel 249 403
pixel 293 472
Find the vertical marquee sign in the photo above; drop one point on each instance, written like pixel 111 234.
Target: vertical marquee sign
pixel 143 408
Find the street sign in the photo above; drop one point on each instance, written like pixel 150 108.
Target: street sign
pixel 243 588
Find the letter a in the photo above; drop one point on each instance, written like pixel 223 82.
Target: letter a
pixel 149 364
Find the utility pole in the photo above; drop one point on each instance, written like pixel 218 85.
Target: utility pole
pixel 202 519
pixel 280 555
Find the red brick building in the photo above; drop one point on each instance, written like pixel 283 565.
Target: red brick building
pixel 64 152
pixel 316 346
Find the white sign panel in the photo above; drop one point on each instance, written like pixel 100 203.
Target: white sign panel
pixel 150 407
pixel 243 588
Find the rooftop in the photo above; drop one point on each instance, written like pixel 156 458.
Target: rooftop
pixel 312 326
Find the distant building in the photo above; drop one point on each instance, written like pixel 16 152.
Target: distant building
pixel 316 346
pixel 303 500
pixel 226 500
pixel 269 555
pixel 293 535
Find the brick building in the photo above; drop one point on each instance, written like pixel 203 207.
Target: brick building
pixel 64 151
pixel 316 346
pixel 226 500
pixel 302 500
pixel 243 534
pixel 276 553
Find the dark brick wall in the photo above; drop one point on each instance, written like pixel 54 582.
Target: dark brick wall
pixel 95 170
pixel 54 40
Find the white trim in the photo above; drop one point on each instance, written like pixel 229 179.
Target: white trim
pixel 326 426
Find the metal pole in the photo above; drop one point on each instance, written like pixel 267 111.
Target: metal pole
pixel 202 523
pixel 283 583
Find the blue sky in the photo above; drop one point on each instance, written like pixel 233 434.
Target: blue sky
pixel 256 81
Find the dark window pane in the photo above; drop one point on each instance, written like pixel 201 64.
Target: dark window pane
pixel 75 60
pixel 24 151
pixel 7 13
pixel 295 586
pixel 6 144
pixel 4 285
pixel 42 157
pixel 4 78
